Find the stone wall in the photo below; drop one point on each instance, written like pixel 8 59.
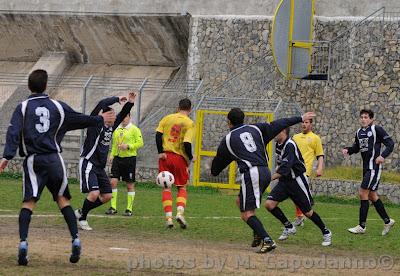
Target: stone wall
pixel 222 47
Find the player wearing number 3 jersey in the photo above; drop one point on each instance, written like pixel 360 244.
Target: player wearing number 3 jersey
pixel 246 144
pixel 37 128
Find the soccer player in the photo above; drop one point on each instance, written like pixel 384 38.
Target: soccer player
pixel 368 140
pixel 127 139
pixel 310 147
pixel 246 144
pixel 174 136
pixel 293 184
pixel 37 128
pixel 93 177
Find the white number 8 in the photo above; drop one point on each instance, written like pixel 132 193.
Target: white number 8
pixel 44 115
pixel 248 141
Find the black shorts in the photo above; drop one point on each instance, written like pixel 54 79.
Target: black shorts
pixel 371 179
pixel 124 168
pixel 44 170
pixel 254 183
pixel 296 189
pixel 93 178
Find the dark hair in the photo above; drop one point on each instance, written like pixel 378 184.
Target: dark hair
pixel 367 111
pixel 37 81
pixel 236 116
pixel 185 104
pixel 311 120
pixel 106 109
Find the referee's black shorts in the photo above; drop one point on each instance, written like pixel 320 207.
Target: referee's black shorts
pixel 124 168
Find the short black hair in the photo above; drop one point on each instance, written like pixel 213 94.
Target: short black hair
pixel 106 109
pixel 236 116
pixel 367 111
pixel 185 104
pixel 311 120
pixel 37 81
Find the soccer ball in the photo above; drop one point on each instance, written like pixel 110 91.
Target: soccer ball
pixel 165 179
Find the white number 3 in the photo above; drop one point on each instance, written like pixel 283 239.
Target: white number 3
pixel 248 141
pixel 44 115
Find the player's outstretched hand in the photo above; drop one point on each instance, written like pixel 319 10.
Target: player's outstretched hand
pixel 131 97
pixel 379 160
pixel 3 164
pixel 108 116
pixel 122 99
pixel 308 116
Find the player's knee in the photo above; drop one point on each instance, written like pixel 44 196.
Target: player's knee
pixel 30 204
pixel 246 215
pixel 373 196
pixel 114 183
pixel 62 202
pixel 130 187
pixel 105 197
pixel 93 195
pixel 270 205
pixel 309 213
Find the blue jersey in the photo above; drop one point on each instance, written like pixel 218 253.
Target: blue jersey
pixel 98 138
pixel 246 144
pixel 39 124
pixel 369 142
pixel 289 160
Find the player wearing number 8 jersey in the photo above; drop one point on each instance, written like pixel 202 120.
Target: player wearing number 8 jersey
pixel 37 128
pixel 246 144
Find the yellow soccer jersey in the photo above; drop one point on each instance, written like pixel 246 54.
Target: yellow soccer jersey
pixel 310 147
pixel 176 129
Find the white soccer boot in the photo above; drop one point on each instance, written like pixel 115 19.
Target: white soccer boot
pixel 287 232
pixel 357 230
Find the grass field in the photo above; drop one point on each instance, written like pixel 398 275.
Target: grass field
pixel 212 217
pixel 355 173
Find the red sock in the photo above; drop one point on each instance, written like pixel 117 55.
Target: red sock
pixel 167 203
pixel 181 200
pixel 298 212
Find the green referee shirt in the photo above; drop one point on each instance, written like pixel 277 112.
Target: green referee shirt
pixel 130 135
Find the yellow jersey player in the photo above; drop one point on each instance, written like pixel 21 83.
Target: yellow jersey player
pixel 174 136
pixel 310 147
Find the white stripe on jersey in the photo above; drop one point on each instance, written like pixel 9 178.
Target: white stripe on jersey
pixel 62 114
pixel 23 111
pixel 228 145
pixel 296 151
pixel 94 146
pixel 262 140
pixel 371 161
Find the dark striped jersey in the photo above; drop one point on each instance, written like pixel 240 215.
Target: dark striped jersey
pixel 39 124
pixel 290 163
pixel 98 138
pixel 369 142
pixel 246 144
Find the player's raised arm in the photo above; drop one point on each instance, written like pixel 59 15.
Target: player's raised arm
pixel 104 103
pixel 125 109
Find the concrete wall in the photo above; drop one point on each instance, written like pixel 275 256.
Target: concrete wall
pixel 140 40
pixel 195 7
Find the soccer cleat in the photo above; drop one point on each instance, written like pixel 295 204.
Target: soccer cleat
pixel 181 220
pixel 170 223
pixel 327 239
pixel 357 230
pixel 256 240
pixel 287 232
pixel 387 227
pixel 23 253
pixel 267 246
pixel 299 221
pixel 84 225
pixel 78 213
pixel 76 251
pixel 127 213
pixel 111 211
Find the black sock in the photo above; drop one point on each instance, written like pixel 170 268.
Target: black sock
pixel 70 219
pixel 364 205
pixel 318 221
pixel 381 210
pixel 257 227
pixel 277 212
pixel 24 220
pixel 89 205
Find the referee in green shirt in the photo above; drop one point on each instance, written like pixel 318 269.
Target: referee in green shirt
pixel 127 139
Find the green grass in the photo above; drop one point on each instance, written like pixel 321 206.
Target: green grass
pixel 203 203
pixel 355 173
